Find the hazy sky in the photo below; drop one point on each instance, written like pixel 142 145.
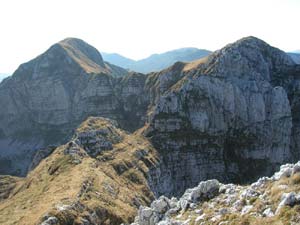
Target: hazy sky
pixel 138 28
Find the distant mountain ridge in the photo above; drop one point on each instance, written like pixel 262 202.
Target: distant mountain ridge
pixel 156 62
pixel 3 75
pixel 118 59
pixel 295 57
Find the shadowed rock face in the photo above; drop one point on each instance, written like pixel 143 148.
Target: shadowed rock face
pixel 231 116
pixel 289 78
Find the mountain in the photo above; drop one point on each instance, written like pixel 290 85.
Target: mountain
pixel 232 116
pixel 157 62
pixel 70 53
pixel 295 57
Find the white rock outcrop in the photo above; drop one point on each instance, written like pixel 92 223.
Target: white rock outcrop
pixel 210 201
pixel 162 208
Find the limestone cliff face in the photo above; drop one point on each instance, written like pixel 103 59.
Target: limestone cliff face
pixel 289 78
pixel 224 119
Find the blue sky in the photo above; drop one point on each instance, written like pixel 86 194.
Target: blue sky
pixel 138 28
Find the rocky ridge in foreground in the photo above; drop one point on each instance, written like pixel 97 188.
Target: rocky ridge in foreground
pixel 269 200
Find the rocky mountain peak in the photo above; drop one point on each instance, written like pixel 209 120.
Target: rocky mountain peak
pixel 251 44
pixel 248 57
pixel 82 52
pixel 68 58
pixel 251 40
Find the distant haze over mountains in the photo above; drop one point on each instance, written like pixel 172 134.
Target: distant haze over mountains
pixel 156 62
pixel 3 75
pixel 295 56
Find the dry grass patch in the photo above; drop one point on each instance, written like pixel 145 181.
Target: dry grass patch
pixel 295 179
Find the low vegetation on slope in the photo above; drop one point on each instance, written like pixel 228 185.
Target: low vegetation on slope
pixel 97 177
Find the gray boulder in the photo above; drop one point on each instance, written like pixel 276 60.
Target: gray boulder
pixel 50 221
pixel 287 199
